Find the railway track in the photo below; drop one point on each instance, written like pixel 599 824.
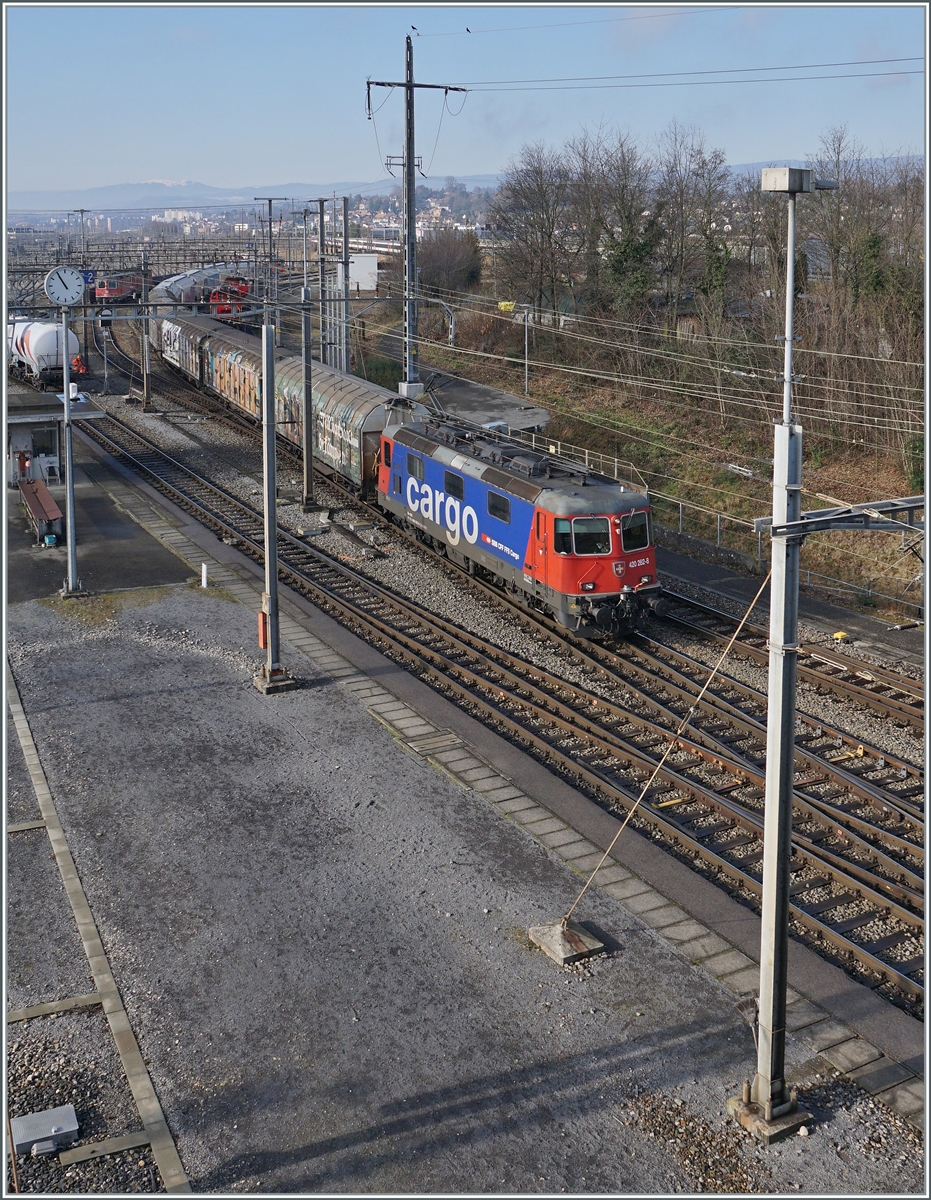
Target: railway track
pixel 178 391
pixel 877 688
pixel 857 865
pixel 881 690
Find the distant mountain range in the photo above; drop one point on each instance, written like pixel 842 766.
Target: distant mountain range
pixel 185 193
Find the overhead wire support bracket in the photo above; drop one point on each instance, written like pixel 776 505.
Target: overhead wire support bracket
pixel 876 517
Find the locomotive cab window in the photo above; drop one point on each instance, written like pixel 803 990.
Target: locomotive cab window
pixel 415 466
pixel 454 485
pixel 636 531
pixel 562 535
pixel 500 507
pixel 386 452
pixel 591 535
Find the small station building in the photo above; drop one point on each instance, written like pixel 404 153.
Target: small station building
pixel 35 454
pixel 35 434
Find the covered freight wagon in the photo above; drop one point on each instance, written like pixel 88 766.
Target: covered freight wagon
pixel 349 414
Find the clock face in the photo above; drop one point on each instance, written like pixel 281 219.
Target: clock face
pixel 64 285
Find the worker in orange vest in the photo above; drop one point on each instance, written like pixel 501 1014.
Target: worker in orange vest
pixel 77 366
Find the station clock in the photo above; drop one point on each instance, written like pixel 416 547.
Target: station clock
pixel 64 285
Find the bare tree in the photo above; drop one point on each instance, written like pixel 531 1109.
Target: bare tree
pixel 690 178
pixel 529 211
pixel 449 260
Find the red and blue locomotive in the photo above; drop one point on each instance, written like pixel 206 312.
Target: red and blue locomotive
pixel 570 543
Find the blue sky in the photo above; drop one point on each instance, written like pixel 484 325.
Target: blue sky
pixel 257 94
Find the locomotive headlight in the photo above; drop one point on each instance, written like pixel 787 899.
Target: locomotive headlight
pixel 588 587
pixel 646 578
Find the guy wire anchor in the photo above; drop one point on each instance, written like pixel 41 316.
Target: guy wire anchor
pixel 564 941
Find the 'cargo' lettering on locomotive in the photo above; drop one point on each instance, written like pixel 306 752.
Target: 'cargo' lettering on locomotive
pixel 444 510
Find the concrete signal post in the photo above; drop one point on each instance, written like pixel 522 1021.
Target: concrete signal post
pixel 64 286
pixel 273 677
pixel 767 1108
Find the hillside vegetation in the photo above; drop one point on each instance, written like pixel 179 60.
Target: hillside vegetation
pixel 652 281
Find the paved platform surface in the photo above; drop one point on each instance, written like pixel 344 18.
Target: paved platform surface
pixel 315 907
pixel 111 547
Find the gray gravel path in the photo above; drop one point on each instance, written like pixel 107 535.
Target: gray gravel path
pixel 21 804
pixel 321 945
pixel 45 958
pixel 71 1059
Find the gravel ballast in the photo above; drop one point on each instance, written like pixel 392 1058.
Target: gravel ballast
pixel 321 945
pixel 234 461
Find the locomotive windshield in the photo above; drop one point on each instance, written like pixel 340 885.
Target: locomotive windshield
pixel 591 535
pixel 584 535
pixel 636 531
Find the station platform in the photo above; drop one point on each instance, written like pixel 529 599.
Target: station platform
pixel 113 551
pixel 312 910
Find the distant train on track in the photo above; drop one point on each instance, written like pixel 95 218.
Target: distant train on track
pixel 570 543
pixel 119 287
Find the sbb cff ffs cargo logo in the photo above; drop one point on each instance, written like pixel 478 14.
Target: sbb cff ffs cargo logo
pixel 444 510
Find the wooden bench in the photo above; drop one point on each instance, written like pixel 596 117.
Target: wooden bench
pixel 44 514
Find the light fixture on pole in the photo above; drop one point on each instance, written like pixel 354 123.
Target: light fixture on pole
pixel 767 1107
pixel 65 286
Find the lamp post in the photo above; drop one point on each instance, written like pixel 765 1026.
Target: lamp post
pixel 526 308
pixel 767 1107
pixel 72 585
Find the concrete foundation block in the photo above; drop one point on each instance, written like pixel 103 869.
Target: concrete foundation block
pixel 751 1118
pixel 565 944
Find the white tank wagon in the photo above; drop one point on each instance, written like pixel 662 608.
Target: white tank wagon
pixel 34 349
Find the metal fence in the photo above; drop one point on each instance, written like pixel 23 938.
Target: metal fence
pixel 726 533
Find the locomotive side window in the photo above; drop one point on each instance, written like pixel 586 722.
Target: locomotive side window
pixel 636 531
pixel 562 535
pixel 415 466
pixel 591 535
pixel 454 485
pixel 500 507
pixel 386 453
